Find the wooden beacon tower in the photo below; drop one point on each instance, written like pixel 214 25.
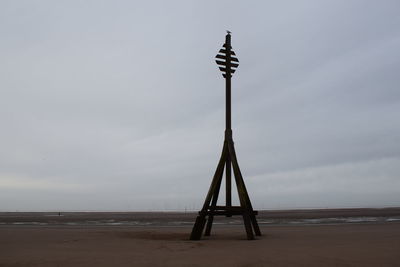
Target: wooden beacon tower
pixel 228 63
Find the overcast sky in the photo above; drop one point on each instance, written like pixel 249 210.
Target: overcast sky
pixel 119 105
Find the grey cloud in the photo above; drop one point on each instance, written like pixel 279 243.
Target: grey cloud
pixel 118 105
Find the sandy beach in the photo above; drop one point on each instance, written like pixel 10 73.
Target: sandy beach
pixel 374 244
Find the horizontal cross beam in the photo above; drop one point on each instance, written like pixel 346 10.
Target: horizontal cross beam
pixel 227 212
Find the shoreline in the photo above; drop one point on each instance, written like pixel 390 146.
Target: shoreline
pixel 158 219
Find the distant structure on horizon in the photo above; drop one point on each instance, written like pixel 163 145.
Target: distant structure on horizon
pixel 228 63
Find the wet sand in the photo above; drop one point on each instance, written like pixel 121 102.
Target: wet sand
pixel 371 244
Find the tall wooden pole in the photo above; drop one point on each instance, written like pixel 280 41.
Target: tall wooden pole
pixel 228 128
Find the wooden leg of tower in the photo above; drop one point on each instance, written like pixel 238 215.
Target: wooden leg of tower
pixel 212 193
pixel 209 225
pixel 249 207
pixel 246 213
pixel 228 180
pixel 248 216
pixel 215 197
pixel 198 228
pixel 247 225
pixel 255 224
pixel 217 177
pixel 212 208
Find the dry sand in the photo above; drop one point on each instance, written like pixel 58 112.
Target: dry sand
pixel 316 245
